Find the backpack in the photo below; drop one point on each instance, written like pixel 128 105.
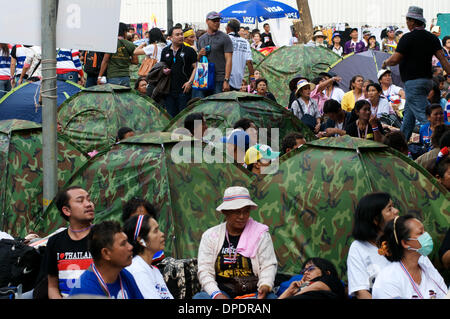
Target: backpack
pixel 19 264
pixel 92 62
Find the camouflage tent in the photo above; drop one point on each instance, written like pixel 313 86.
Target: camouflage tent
pixel 148 166
pixel 282 65
pixel 21 179
pixel 224 109
pixel 92 117
pixel 310 202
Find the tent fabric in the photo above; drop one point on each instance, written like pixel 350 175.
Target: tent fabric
pixel 222 110
pixel 149 166
pixel 283 64
pixel 308 203
pixel 23 101
pixel 367 64
pixel 21 181
pixel 92 117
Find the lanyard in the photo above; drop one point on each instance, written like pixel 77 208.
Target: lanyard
pixel 416 289
pixel 357 127
pixel 229 247
pixel 103 283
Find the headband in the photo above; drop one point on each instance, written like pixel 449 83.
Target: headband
pixel 138 226
pixel 188 33
pixel 395 232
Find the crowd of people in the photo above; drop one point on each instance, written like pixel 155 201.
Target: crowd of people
pixel 236 259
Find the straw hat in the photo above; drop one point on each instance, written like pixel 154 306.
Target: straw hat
pixel 303 83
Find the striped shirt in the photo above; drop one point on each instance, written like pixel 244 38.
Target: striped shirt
pixel 19 52
pixel 68 61
pixel 5 66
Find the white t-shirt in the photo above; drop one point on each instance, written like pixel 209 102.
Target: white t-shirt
pixel 363 266
pixel 384 107
pixel 394 283
pixel 241 54
pixel 337 94
pixel 149 279
pixel 392 90
pixel 151 47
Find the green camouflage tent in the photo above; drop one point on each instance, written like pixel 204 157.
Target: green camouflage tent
pixel 309 203
pixel 282 65
pixel 147 165
pixel 92 117
pixel 224 109
pixel 21 179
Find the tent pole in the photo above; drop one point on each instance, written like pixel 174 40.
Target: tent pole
pixel 48 94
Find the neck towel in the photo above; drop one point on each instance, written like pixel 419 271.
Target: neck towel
pixel 250 238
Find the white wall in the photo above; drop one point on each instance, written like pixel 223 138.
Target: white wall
pixel 377 13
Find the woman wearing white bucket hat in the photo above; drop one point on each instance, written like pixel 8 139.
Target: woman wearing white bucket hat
pixel 236 258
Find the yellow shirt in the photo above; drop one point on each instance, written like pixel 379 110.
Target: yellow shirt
pixel 348 101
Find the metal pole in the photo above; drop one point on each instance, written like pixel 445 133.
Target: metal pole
pixel 169 14
pixel 48 94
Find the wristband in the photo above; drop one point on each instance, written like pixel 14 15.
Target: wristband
pixel 215 294
pixel 374 129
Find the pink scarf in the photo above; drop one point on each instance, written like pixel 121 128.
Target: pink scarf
pixel 250 237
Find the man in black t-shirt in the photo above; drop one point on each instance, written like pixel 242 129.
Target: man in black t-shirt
pixel 266 37
pixel 67 254
pixel 414 54
pixel 181 61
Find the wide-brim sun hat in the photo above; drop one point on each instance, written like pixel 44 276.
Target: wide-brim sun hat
pixel 294 80
pixel 236 197
pixel 318 34
pixel 302 83
pixel 383 72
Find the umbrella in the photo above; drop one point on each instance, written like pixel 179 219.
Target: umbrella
pixel 309 203
pixel 249 11
pixel 92 117
pixel 22 102
pixel 222 110
pixel 21 178
pixel 367 64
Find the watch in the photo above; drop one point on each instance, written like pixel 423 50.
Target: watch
pixel 226 80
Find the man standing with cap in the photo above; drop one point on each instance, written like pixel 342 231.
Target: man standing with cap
pixel 218 48
pixel 414 54
pixel 353 45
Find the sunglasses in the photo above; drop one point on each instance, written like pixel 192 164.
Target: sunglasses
pixel 310 268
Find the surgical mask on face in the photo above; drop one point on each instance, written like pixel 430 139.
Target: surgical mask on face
pixel 426 242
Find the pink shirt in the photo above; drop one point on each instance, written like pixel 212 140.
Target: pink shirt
pixel 320 97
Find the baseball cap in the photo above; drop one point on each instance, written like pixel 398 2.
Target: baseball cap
pixel 213 15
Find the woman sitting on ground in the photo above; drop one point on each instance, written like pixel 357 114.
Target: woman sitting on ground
pixel 235 252
pixel 363 262
pixel 147 239
pixel 367 126
pixel 379 104
pixel 320 281
pixel 410 275
pixel 355 94
pixel 262 88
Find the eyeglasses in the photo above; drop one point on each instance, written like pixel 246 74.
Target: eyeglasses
pixel 310 268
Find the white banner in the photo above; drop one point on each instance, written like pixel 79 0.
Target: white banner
pixel 81 24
